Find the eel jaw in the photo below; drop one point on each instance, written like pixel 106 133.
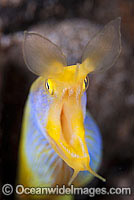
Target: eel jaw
pixel 66 133
pixel 65 129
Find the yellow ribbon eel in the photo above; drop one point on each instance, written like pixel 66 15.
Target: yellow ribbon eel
pixel 58 134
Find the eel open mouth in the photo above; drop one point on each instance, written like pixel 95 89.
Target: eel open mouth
pixel 67 136
pixel 71 140
pixel 65 126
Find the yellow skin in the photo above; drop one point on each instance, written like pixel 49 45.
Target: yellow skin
pixel 64 86
pixel 65 124
pixel 64 127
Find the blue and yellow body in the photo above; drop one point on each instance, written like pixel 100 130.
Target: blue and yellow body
pixel 60 142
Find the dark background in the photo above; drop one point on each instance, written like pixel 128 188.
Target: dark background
pixel 70 24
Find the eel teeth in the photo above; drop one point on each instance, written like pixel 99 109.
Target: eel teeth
pixel 74 155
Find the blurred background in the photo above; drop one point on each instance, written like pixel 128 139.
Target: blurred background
pixel 70 24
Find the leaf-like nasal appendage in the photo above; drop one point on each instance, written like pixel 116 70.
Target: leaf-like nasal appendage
pixel 45 58
pixel 42 56
pixel 102 51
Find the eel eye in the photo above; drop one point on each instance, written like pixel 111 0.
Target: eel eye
pixel 49 86
pixel 85 83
